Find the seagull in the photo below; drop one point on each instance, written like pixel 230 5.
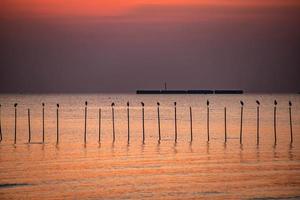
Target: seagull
pixel 113 104
pixel 207 103
pixel 158 104
pixel 15 104
pixel 258 103
pixel 128 103
pixel 143 104
pixel 86 103
pixel 242 103
pixel 290 103
pixel 275 102
pixel 175 103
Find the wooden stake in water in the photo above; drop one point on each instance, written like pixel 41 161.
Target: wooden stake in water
pixel 207 118
pixel 0 126
pixel 275 120
pixel 225 124
pixel 43 119
pixel 99 138
pixel 85 121
pixel 175 120
pixel 291 127
pixel 57 124
pixel 29 128
pixel 15 105
pixel 241 128
pixel 191 123
pixel 143 118
pixel 113 120
pixel 128 123
pixel 257 122
pixel 158 121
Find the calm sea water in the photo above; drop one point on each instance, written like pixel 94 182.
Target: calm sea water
pixel 165 170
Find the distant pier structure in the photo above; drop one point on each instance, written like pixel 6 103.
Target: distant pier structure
pixel 166 91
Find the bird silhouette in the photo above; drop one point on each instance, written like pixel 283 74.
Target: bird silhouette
pixel 43 104
pixel 128 103
pixel 143 104
pixel 275 102
pixel 175 103
pixel 15 104
pixel 242 103
pixel 158 104
pixel 112 104
pixel 290 103
pixel 258 103
pixel 57 105
pixel 207 103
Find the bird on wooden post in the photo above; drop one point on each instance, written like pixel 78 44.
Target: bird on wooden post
pixel 275 122
pixel 175 120
pixel 207 118
pixel 15 105
pixel 158 121
pixel 241 127
pixel 85 121
pixel 113 120
pixel 43 121
pixel 291 127
pixel 128 125
pixel 257 122
pixel 57 124
pixel 143 118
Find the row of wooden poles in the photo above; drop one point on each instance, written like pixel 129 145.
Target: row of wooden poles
pixel 158 122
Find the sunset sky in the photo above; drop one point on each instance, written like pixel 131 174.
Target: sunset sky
pixel 121 46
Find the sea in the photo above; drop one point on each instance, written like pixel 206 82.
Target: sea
pixel 98 151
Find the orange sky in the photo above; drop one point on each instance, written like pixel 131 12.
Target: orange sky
pixel 19 8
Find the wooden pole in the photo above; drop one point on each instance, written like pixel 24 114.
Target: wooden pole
pixel 291 125
pixel 175 120
pixel 158 122
pixel 275 133
pixel 85 121
pixel 225 124
pixel 57 125
pixel 128 123
pixel 99 138
pixel 0 126
pixel 113 121
pixel 207 118
pixel 29 128
pixel 15 123
pixel 241 127
pixel 143 118
pixel 191 123
pixel 43 116
pixel 257 131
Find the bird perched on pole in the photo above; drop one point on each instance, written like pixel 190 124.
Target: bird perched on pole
pixel 175 103
pixel 290 103
pixel 113 104
pixel 207 103
pixel 128 103
pixel 257 102
pixel 158 104
pixel 143 104
pixel 275 102
pixel 86 103
pixel 242 103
